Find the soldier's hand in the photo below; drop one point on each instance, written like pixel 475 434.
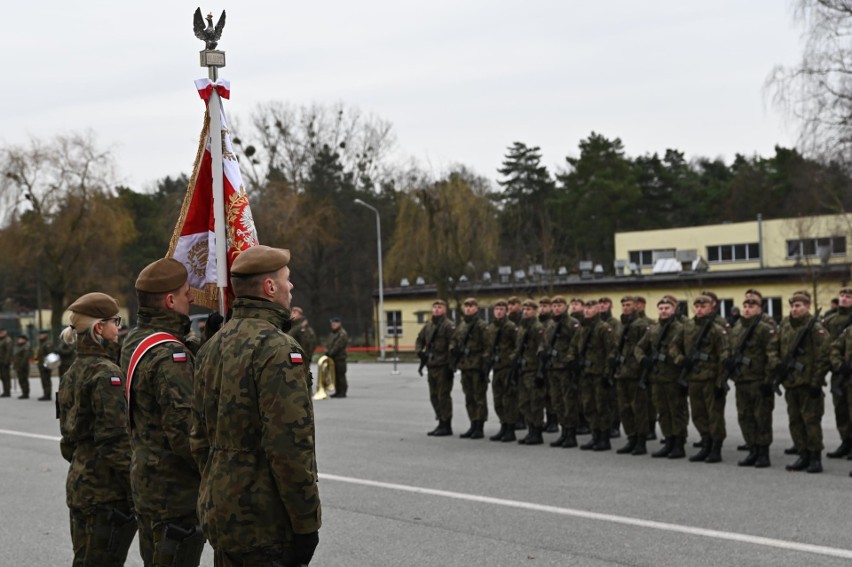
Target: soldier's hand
pixel 647 362
pixel 719 393
pixel 539 380
pixel 766 390
pixel 304 546
pixel 815 391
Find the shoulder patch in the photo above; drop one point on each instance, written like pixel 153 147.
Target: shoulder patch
pixel 179 357
pixel 296 358
pixel 115 381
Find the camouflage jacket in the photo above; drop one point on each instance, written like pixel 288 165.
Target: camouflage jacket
pixel 93 424
pixel 468 349
pixel 163 473
pixel 813 360
pixel 22 355
pixel 655 344
pixel 253 433
pixel 633 328
pixel 439 350
pixel 758 358
pixel 841 351
pixel 567 327
pixel 530 337
pixel 838 321
pixel 712 352
pixel 593 358
pixel 337 343
pixel 7 346
pixel 44 348
pixel 505 333
pixel 305 336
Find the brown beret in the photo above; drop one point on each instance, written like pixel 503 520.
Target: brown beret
pixel 95 304
pixel 751 301
pixel 668 300
pixel 845 290
pixel 800 297
pixel 577 300
pixel 439 302
pixel 513 300
pixel 701 299
pixel 627 298
pixel 804 292
pixel 712 295
pixel 530 303
pixel 752 291
pixel 559 299
pixel 470 301
pixel 639 299
pixel 544 301
pixel 166 274
pixel 591 303
pixel 501 303
pixel 260 259
pixel 605 300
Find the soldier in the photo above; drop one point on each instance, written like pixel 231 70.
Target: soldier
pixel 336 351
pixel 531 390
pixel 589 356
pixel 21 361
pixel 6 349
pixel 514 315
pixel 159 369
pixel 502 339
pixel 701 349
pixel 660 371
pixel 92 414
pixel 433 347
pixel 632 400
pixel 835 325
pixel 841 366
pixel 467 349
pixel 561 388
pixel 605 309
pixel 67 354
pixel 551 403
pixel 301 330
pixel 803 349
pixel 44 348
pixel 639 307
pixel 751 366
pixel 575 310
pixel 259 500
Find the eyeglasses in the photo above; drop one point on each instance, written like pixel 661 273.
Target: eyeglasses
pixel 116 320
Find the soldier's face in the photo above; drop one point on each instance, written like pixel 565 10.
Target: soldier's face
pixel 605 306
pixel 627 307
pixel 544 308
pixel 108 329
pixel 529 312
pixel 750 310
pixel 470 309
pixel 335 325
pixel 665 310
pixel 799 309
pixel 514 307
pixel 702 309
pixel 281 288
pixel 180 300
pixel 559 308
pixel 590 311
pixel 845 300
pixel 576 306
pixel 438 310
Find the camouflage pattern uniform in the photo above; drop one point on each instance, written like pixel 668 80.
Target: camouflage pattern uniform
pixel 93 422
pixel 552 395
pixel 7 346
pixel 21 361
pixel 530 395
pixel 253 436
pixel 616 326
pixel 502 340
pixel 44 348
pixel 559 381
pixel 163 474
pixel 336 350
pixel 841 363
pixel 835 325
pixel 589 353
pixel 439 330
pixel 468 347
pixel 632 400
pixel 305 336
pixel 67 355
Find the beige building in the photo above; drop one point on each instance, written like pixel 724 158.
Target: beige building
pixel 776 257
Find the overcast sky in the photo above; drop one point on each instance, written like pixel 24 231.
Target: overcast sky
pixel 459 81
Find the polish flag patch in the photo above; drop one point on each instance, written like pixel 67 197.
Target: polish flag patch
pixel 179 357
pixel 296 358
pixel 115 381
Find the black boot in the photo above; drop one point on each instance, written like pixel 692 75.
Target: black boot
pixel 666 449
pixel 552 425
pixel 815 464
pixel 499 435
pixel 678 451
pixel 570 439
pixel 751 458
pixel 509 434
pixel 640 448
pixel 478 427
pixel 701 455
pixel 534 438
pixel 791 451
pixel 437 427
pixel 715 455
pixel 521 424
pixel 841 451
pixel 615 432
pixel 469 431
pixel 558 442
pixel 801 463
pixel 444 429
pixel 745 447
pixel 698 443
pixel 603 441
pixel 5 395
pixel 762 457
pixel 592 442
pixel 583 429
pixel 628 448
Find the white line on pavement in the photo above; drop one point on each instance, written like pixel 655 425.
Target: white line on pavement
pixel 730 536
pixel 32 435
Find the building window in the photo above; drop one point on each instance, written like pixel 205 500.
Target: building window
pixel 422 316
pixel 647 258
pixel 772 306
pixel 721 253
pixel 394 323
pixel 810 247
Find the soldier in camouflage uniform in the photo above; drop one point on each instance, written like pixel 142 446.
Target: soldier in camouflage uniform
pixel 751 368
pixel 632 400
pixel 502 340
pixel 575 310
pixel 804 382
pixel 467 349
pixel 303 333
pixel 159 369
pixel 554 350
pixel 639 306
pixel 652 352
pixel 92 416
pixel 6 348
pixel 515 312
pixel 44 348
pixel 589 355
pixel 67 354
pixel 605 309
pixel 531 391
pixel 552 400
pixel 703 365
pixel 21 361
pixel 841 365
pixel 433 345
pixel 253 425
pixel 835 325
pixel 336 351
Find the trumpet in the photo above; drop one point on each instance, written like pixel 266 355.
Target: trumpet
pixel 325 378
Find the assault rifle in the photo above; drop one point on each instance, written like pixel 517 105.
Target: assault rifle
pixel 546 355
pixel 733 366
pixel 518 361
pixel 695 355
pixel 427 354
pixel 492 358
pixel 789 364
pixel 463 350
pixel 650 362
pixel 838 384
pixel 581 363
pixel 617 359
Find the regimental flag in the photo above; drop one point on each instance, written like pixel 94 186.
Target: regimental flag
pixel 193 242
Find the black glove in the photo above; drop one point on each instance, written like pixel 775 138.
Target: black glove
pixel 304 546
pixel 539 381
pixel 214 323
pixel 815 391
pixel 719 393
pixel 766 390
pixel 647 362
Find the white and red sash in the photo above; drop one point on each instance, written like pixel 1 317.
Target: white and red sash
pixel 147 344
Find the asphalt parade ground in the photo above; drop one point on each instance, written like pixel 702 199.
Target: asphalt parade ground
pixel 392 496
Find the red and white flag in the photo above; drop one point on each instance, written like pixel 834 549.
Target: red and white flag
pixel 193 242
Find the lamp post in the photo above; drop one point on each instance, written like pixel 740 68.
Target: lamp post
pixel 381 286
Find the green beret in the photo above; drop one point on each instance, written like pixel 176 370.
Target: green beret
pixel 260 259
pixel 166 274
pixel 95 304
pixel 530 303
pixel 559 299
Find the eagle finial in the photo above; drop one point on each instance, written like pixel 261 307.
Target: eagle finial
pixel 208 34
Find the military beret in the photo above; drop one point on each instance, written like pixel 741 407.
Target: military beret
pixel 591 303
pixel 530 303
pixel 804 292
pixel 439 302
pixel 470 301
pixel 639 299
pixel 23 336
pixel 334 319
pixel 166 274
pixel 845 290
pixel 559 299
pixel 712 295
pixel 95 304
pixel 604 300
pixel 800 297
pixel 260 259
pixel 751 301
pixel 752 291
pixel 513 300
pixel 627 298
pixel 669 300
pixel 577 300
pixel 544 301
pixel 702 299
pixel 501 303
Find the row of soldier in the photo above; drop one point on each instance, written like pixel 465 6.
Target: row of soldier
pixel 17 354
pixel 583 366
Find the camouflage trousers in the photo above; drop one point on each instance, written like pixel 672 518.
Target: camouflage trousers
pixel 440 390
pixel 99 542
pixel 475 387
pixel 282 558
pixel 805 417
pixel 156 549
pixel 652 409
pixel 632 406
pixel 531 399
pixel 615 416
pixel 505 396
pixel 708 410
pixel 341 384
pixel 23 373
pixel 597 401
pixel 6 378
pixel 569 406
pixel 670 402
pixel 587 399
pixel 754 413
pixel 841 411
pixel 46 385
pixel 555 398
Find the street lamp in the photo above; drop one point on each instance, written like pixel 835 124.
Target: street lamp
pixel 381 286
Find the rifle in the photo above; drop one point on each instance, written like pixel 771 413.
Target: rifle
pixel 518 361
pixel 617 359
pixel 427 354
pixel 845 370
pixel 789 365
pixel 733 366
pixel 546 356
pixel 580 363
pixel 459 353
pixel 492 358
pixel 655 358
pixel 695 354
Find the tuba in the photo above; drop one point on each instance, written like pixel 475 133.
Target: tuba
pixel 325 378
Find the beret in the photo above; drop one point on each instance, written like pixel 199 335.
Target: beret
pixel 545 301
pixel 801 297
pixel 590 303
pixel 334 319
pixel 701 299
pixel 751 301
pixel 753 291
pixel 846 290
pixel 605 299
pixel 668 300
pixel 470 301
pixel 712 295
pixel 639 299
pixel 558 299
pixel 260 259
pixel 95 304
pixel 166 274
pixel 530 303
pixel 501 303
pixel 577 300
pixel 513 300
pixel 439 302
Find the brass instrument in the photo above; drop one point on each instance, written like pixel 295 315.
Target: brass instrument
pixel 325 378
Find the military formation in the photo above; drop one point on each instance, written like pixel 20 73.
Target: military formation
pixel 569 366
